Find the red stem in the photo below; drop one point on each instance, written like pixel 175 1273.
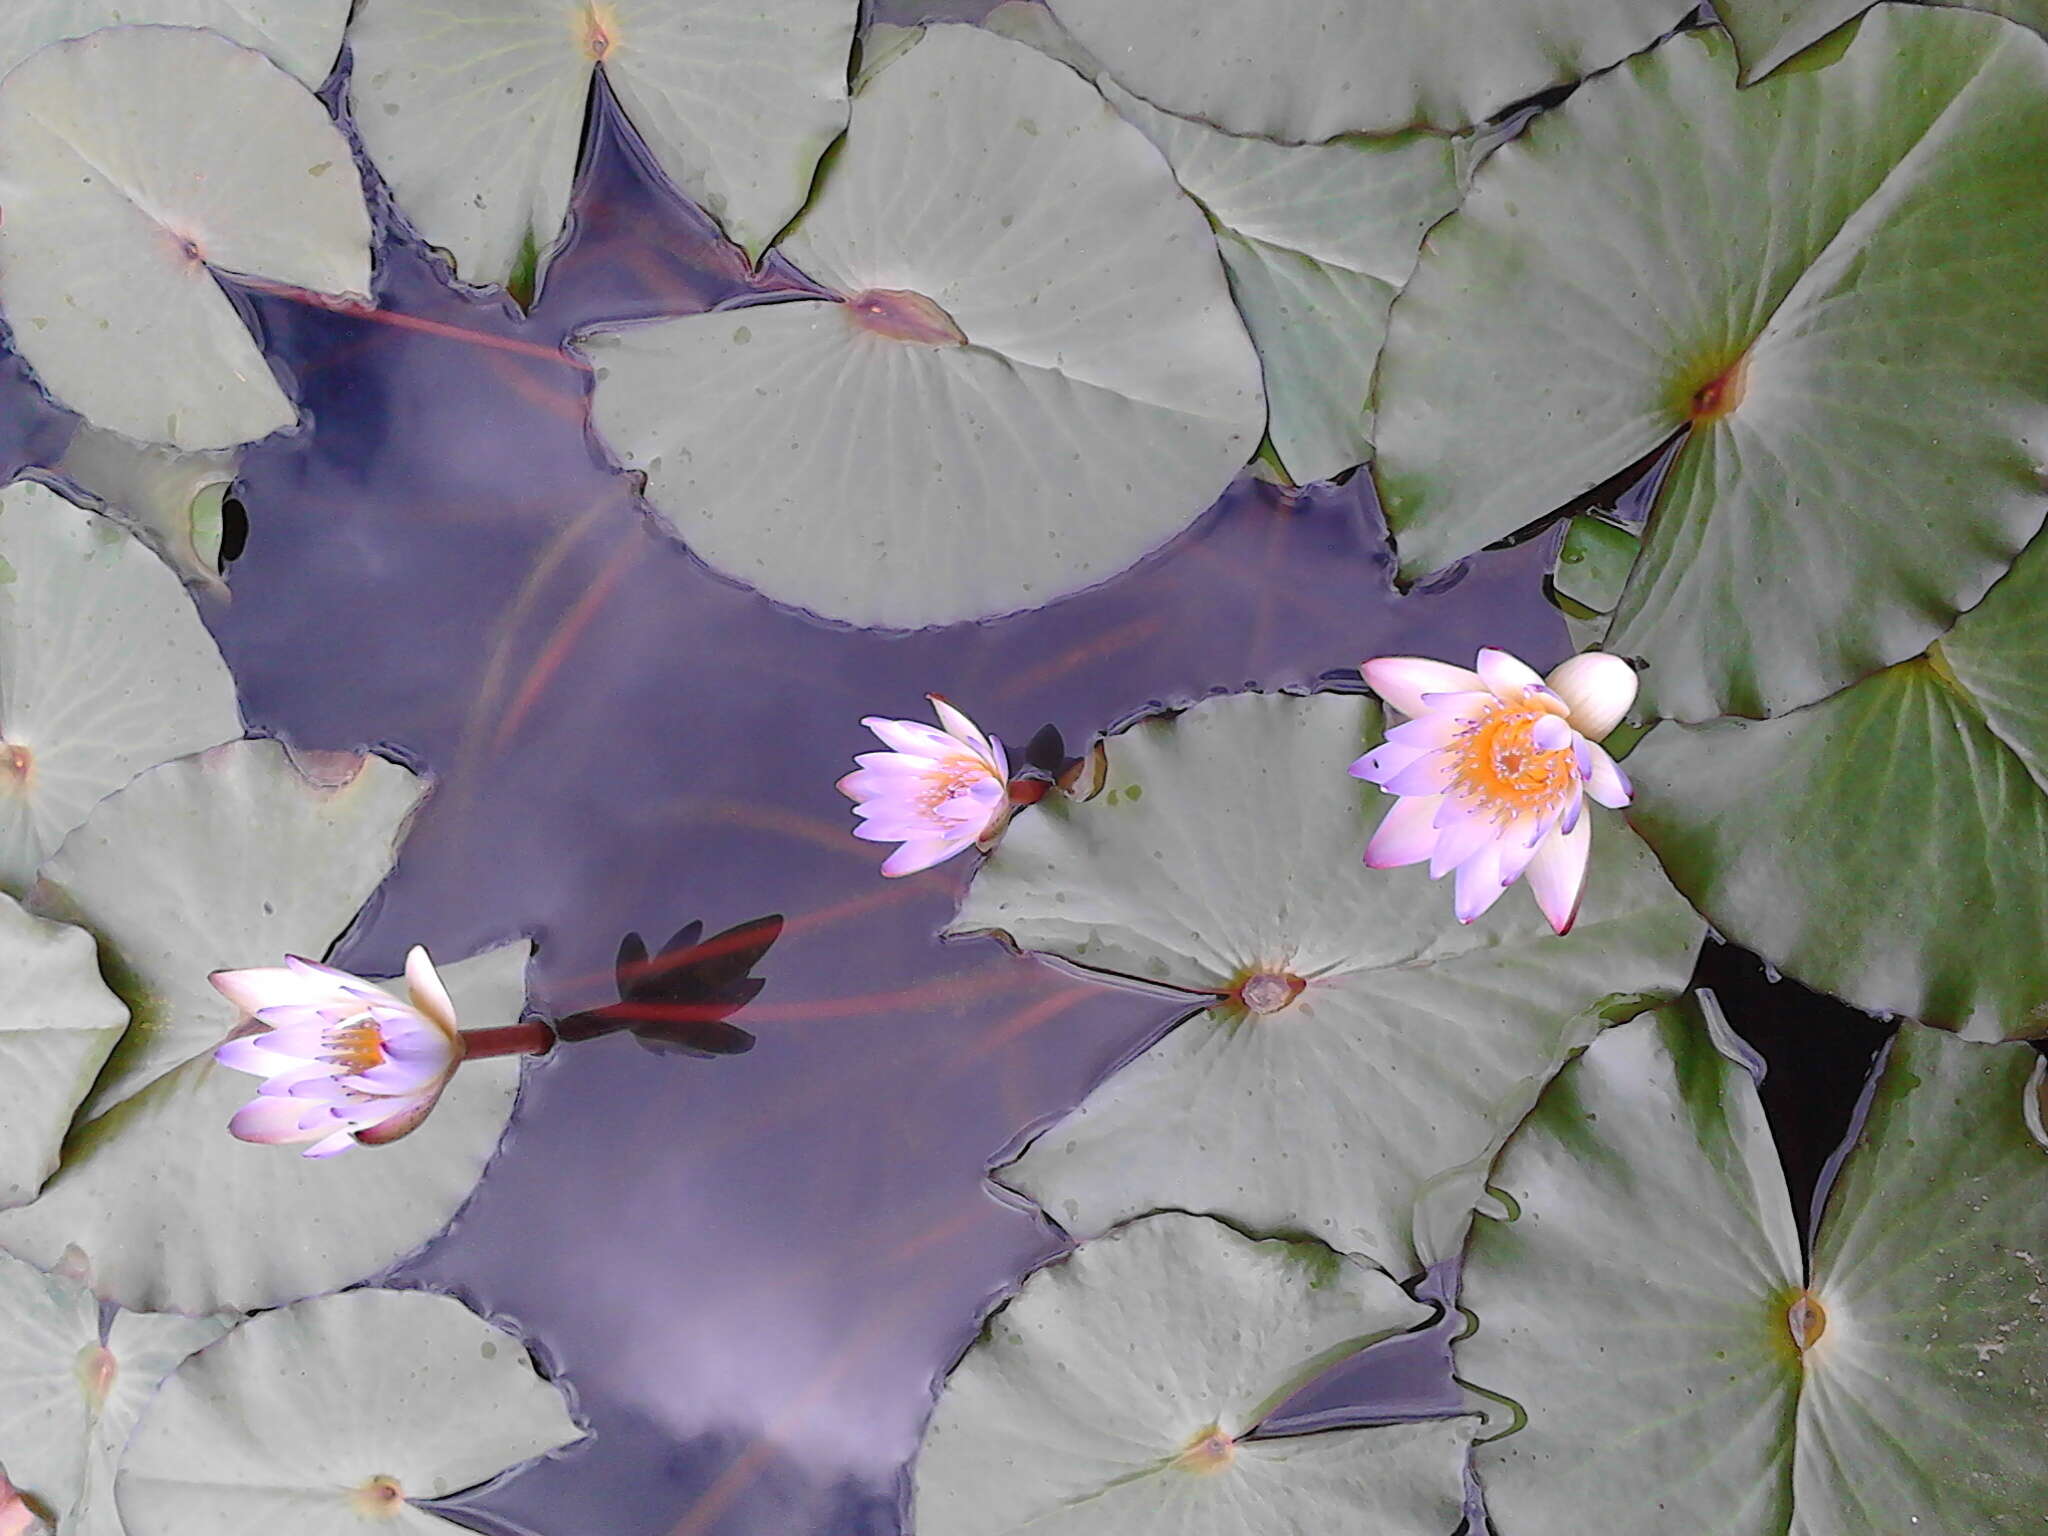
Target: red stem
pixel 529 1037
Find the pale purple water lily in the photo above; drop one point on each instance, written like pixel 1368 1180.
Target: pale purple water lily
pixel 1493 768
pixel 936 792
pixel 343 1062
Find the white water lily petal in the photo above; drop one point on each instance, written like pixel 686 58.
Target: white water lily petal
pixel 105 670
pixel 1109 1395
pixel 302 36
pixel 331 1417
pixel 894 477
pixel 180 1216
pixel 116 222
pixel 473 109
pixel 1597 689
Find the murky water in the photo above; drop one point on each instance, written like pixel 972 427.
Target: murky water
pixel 753 1269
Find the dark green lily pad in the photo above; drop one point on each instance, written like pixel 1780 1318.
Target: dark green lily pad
pixel 1830 281
pixel 1768 32
pixel 1646 1307
pixel 1226 843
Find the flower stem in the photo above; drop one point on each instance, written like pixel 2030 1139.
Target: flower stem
pixel 529 1037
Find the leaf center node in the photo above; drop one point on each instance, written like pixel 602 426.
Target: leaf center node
pixel 1264 992
pixel 1720 395
pixel 902 315
pixel 1212 1451
pixel 381 1498
pixel 1807 1319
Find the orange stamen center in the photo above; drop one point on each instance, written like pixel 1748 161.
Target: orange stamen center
pixel 1500 764
pixel 958 777
pixel 355 1046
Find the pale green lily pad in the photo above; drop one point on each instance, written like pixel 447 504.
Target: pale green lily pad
pixel 170 500
pixel 330 1418
pixel 473 109
pixel 116 222
pixel 56 1028
pixel 1305 70
pixel 227 859
pixel 1317 240
pixel 1110 1395
pixel 179 1216
pixel 105 670
pixel 67 1403
pixel 1228 840
pixel 1768 32
pixel 1640 1307
pixel 1871 466
pixel 303 36
pixel 1104 394
pixel 1885 844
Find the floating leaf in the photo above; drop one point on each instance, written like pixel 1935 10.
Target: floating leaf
pixel 1647 1311
pixel 227 859
pixel 473 109
pixel 1397 1046
pixel 302 36
pixel 1110 1395
pixel 117 221
pixel 172 501
pixel 180 1216
pixel 58 1025
pixel 1862 456
pixel 105 670
pixel 67 1402
pixel 1311 69
pixel 1885 844
pixel 1317 240
pixel 1768 32
pixel 1036 378
pixel 331 1417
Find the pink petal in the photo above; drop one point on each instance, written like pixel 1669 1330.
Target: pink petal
pixel 1429 775
pixel 270 986
pixel 1550 734
pixel 268 1122
pixel 1597 690
pixel 922 853
pixel 1406 834
pixel 963 729
pixel 247 1054
pixel 1506 677
pixel 1403 680
pixel 1438 728
pixel 1462 830
pixel 1605 781
pixel 429 996
pixel 340 1141
pixel 1517 851
pixel 1478 883
pixel 1557 875
pixel 1386 760
pixel 912 738
pixel 408 1118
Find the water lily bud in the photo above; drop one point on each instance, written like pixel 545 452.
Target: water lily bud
pixel 1597 690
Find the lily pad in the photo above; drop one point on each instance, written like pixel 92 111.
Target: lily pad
pixel 105 670
pixel 1862 458
pixel 59 1023
pixel 303 36
pixel 1113 1392
pixel 227 859
pixel 1035 378
pixel 332 1417
pixel 473 109
pixel 117 221
pixel 1768 32
pixel 1317 240
pixel 1303 70
pixel 179 1216
pixel 1886 844
pixel 1646 1308
pixel 67 1401
pixel 1397 1045
pixel 171 501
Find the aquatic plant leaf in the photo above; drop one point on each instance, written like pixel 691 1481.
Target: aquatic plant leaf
pixel 302 36
pixel 179 1216
pixel 1304 70
pixel 1861 458
pixel 334 1416
pixel 105 670
pixel 66 1404
pixel 1317 240
pixel 1885 844
pixel 885 460
pixel 169 500
pixel 226 859
pixel 117 221
pixel 1768 32
pixel 473 109
pixel 1643 1305
pixel 56 1028
pixel 1227 842
pixel 1110 1395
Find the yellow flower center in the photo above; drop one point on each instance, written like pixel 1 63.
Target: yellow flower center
pixel 355 1046
pixel 1500 764
pixel 959 776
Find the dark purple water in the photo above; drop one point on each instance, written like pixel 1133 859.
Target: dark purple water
pixel 751 1270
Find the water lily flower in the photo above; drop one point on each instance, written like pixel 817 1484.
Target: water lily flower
pixel 343 1062
pixel 936 792
pixel 1493 768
